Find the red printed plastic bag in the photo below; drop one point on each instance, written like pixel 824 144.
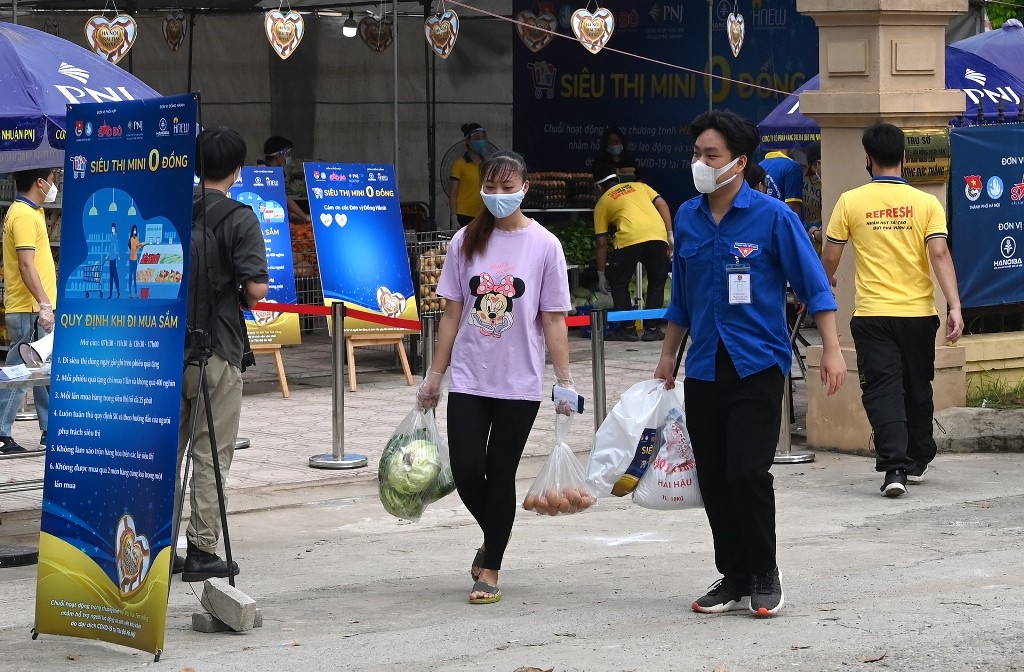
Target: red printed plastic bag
pixel 561 486
pixel 670 481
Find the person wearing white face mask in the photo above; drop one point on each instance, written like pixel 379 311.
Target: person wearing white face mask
pixel 735 250
pixel 507 293
pixel 30 294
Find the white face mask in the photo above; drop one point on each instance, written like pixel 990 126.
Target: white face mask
pixel 503 205
pixel 51 193
pixel 705 178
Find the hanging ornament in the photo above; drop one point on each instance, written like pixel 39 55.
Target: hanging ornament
pixel 735 27
pixel 111 38
pixel 284 31
pixel 593 29
pixel 377 33
pixel 533 29
pixel 53 27
pixel 441 31
pixel 174 28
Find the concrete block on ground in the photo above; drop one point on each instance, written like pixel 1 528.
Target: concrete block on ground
pixel 229 604
pixel 205 622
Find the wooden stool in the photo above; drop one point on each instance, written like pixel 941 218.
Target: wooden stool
pixel 264 348
pixel 364 340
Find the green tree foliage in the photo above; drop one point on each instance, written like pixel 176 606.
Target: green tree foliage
pixel 998 13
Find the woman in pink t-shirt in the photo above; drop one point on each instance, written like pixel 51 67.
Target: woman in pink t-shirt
pixel 507 289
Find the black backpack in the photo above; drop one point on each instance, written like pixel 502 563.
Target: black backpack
pixel 210 277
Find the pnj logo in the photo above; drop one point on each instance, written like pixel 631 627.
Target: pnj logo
pixel 79 128
pixel 88 129
pixel 78 166
pixel 1017 192
pixel 994 187
pixel 181 127
pixel 162 128
pixel 973 189
pixel 108 131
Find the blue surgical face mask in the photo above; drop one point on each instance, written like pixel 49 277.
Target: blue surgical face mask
pixel 615 150
pixel 503 205
pixel 479 146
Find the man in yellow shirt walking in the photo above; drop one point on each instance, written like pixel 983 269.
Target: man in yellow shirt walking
pixel 640 225
pixel 899 237
pixel 30 290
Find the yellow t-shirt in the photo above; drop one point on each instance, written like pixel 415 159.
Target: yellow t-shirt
pixel 468 175
pixel 890 223
pixel 630 208
pixel 25 229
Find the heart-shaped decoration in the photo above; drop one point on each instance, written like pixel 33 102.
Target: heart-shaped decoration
pixel 53 27
pixel 132 556
pixel 341 219
pixel 325 219
pixel 593 29
pixel 736 28
pixel 442 31
pixel 533 29
pixel 390 303
pixel 174 29
pixel 111 38
pixel 376 34
pixel 284 31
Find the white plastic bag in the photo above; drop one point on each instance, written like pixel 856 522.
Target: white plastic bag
pixel 627 437
pixel 415 468
pixel 670 481
pixel 561 486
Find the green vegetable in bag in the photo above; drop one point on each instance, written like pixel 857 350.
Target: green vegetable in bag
pixel 401 505
pixel 414 467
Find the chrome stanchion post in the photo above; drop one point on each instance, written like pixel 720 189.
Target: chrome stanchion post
pixel 337 459
pixel 784 453
pixel 427 329
pixel 597 322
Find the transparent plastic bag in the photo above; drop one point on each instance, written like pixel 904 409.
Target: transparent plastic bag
pixel 561 486
pixel 670 482
pixel 625 443
pixel 415 467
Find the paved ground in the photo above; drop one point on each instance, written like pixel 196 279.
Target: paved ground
pixel 926 582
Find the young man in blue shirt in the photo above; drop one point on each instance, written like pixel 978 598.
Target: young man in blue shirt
pixel 735 250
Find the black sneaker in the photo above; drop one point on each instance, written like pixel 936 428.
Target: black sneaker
pixel 42 441
pixel 766 596
pixel 726 594
pixel 653 334
pixel 628 334
pixel 895 483
pixel 9 446
pixel 916 475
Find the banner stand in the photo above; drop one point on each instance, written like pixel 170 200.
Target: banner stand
pixel 784 453
pixel 337 458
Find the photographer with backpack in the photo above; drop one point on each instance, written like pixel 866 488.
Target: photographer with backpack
pixel 228 267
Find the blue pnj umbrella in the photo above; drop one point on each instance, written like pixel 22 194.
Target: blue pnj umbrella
pixel 986 85
pixel 40 74
pixel 1004 47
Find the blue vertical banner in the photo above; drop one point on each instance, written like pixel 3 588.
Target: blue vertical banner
pixel 565 96
pixel 105 546
pixel 262 189
pixel 987 217
pixel 360 240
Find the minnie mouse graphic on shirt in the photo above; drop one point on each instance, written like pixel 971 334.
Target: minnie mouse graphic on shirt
pixel 492 306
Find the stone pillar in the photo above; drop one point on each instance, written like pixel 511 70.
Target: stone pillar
pixel 880 60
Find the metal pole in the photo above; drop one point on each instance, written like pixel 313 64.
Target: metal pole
pixel 784 453
pixel 337 459
pixel 711 54
pixel 427 330
pixel 14 12
pixel 597 322
pixel 394 14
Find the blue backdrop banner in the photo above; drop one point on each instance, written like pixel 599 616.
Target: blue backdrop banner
pixel 987 217
pixel 105 545
pixel 262 189
pixel 360 240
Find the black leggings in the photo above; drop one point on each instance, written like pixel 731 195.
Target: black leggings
pixel 486 438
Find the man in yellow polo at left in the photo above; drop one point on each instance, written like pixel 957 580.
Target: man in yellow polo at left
pixel 30 291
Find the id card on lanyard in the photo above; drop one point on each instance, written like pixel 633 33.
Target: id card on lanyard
pixel 739 283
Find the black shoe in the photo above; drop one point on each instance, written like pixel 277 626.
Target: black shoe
pixel 766 596
pixel 916 475
pixel 42 441
pixel 895 483
pixel 653 334
pixel 9 446
pixel 628 334
pixel 726 594
pixel 200 566
pixel 178 565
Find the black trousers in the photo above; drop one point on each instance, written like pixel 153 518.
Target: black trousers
pixel 486 438
pixel 734 428
pixel 653 254
pixel 896 361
